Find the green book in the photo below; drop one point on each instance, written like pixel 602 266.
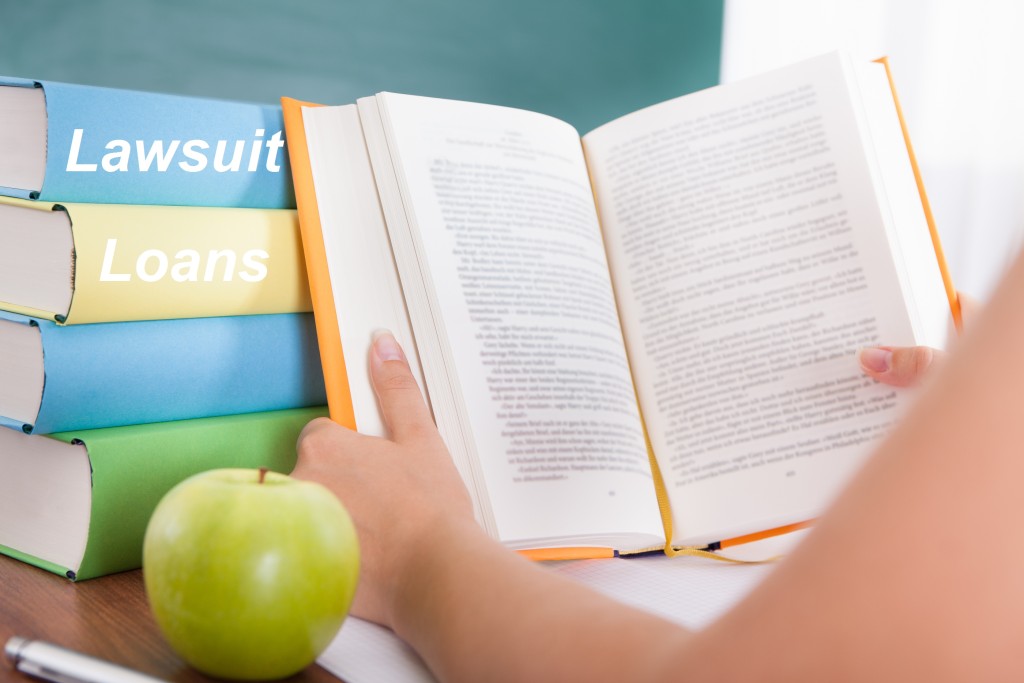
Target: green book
pixel 77 503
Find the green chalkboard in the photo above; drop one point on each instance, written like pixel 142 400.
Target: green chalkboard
pixel 584 61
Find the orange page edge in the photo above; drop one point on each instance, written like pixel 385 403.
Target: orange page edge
pixel 325 317
pixel 947 280
pixel 570 553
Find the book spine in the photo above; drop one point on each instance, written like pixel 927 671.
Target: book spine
pixel 133 467
pixel 153 263
pixel 114 374
pixel 106 145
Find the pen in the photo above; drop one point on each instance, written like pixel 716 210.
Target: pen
pixel 57 664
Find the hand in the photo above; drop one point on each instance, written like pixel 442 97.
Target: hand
pixel 904 366
pixel 400 491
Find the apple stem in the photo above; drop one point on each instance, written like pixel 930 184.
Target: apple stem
pixel 263 474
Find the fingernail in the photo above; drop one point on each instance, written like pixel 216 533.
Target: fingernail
pixel 386 347
pixel 875 359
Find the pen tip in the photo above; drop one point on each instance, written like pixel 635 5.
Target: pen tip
pixel 14 647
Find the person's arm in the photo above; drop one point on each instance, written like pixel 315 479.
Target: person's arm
pixel 914 574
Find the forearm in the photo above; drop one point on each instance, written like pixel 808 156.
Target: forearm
pixel 476 611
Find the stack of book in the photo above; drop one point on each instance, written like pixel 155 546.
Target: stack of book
pixel 154 312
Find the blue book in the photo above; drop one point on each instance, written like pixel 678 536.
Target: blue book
pixel 80 143
pixel 55 378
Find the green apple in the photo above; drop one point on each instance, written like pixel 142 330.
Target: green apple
pixel 250 574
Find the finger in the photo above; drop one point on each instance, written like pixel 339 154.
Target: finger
pixel 898 366
pixel 401 401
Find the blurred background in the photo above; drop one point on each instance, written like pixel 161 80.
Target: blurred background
pixel 958 67
pixel 959 70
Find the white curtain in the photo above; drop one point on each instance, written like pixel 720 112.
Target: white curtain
pixel 959 70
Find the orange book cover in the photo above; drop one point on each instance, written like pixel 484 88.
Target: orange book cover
pixel 332 358
pixel 947 280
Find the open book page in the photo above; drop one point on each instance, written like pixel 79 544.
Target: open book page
pixel 364 652
pixel 512 272
pixel 751 257
pixel 367 295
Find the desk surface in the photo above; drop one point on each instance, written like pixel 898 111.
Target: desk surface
pixel 106 617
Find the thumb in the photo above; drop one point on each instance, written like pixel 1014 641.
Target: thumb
pixel 401 401
pixel 898 366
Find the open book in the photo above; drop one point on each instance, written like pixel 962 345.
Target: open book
pixel 644 338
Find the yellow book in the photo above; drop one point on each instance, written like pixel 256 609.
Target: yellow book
pixel 641 338
pixel 87 263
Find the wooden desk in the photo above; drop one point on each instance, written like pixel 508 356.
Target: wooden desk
pixel 106 617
